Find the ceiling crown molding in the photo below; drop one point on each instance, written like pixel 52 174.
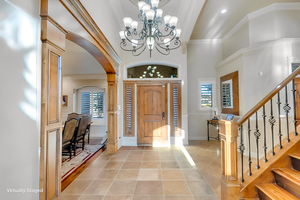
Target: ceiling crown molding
pixel 161 2
pixel 260 12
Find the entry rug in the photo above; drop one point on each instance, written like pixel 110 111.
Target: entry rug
pixel 68 165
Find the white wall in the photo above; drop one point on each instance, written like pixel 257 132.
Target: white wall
pixel 20 102
pixel 202 58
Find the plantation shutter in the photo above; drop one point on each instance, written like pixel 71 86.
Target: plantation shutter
pixel 129 110
pixel 206 95
pixel 175 111
pixel 93 104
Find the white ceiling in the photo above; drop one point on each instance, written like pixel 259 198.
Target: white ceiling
pixel 211 24
pixel 78 61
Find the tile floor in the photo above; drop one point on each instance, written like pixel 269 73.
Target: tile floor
pixel 152 173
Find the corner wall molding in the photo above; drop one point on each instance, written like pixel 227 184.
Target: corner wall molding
pixel 260 12
pixel 205 41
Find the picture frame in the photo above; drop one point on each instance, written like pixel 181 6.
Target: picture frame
pixel 230 117
pixel 65 100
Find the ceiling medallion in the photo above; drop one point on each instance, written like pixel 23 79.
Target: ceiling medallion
pixel 161 2
pixel 149 35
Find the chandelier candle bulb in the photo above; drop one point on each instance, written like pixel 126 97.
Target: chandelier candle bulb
pixel 134 25
pixel 178 33
pixel 122 35
pixel 127 22
pixel 154 3
pixel 145 8
pixel 145 72
pixel 167 19
pixel 150 43
pixel 141 4
pixel 150 15
pixel 173 22
pixel 159 13
pixel 134 43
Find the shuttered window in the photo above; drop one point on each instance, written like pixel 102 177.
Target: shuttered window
pixel 175 107
pixel 206 95
pixel 175 112
pixel 129 110
pixel 93 104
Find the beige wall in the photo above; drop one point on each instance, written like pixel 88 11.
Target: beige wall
pixel 237 41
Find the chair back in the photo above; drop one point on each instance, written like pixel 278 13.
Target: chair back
pixel 83 123
pixel 69 130
pixel 90 116
pixel 73 115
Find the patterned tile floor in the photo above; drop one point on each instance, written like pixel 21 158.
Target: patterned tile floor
pixel 152 173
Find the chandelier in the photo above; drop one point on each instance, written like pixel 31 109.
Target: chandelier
pixel 150 36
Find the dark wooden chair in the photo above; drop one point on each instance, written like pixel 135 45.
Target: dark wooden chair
pixel 68 136
pixel 73 115
pixel 81 130
pixel 88 126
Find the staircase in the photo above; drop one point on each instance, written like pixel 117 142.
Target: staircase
pixel 287 186
pixel 275 171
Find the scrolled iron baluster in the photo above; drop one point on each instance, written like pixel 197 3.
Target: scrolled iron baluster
pixel 279 122
pixel 272 121
pixel 265 137
pixel 242 149
pixel 294 101
pixel 249 158
pixel 257 135
pixel 287 109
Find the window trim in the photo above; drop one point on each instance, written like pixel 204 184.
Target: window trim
pixel 213 82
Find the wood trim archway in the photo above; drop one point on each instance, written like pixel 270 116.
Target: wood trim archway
pixel 53 37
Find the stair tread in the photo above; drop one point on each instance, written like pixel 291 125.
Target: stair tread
pixel 275 192
pixel 295 155
pixel 290 174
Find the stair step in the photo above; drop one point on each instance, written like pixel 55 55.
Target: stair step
pixel 288 179
pixel 295 158
pixel 272 191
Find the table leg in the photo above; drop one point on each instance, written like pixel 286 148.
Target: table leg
pixel 207 131
pixel 218 131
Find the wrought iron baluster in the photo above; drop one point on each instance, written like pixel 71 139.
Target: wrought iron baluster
pixel 265 137
pixel 272 121
pixel 249 158
pixel 287 109
pixel 294 100
pixel 257 135
pixel 242 149
pixel 279 122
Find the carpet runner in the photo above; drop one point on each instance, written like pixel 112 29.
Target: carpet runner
pixel 68 165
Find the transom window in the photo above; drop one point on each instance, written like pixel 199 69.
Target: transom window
pixel 152 71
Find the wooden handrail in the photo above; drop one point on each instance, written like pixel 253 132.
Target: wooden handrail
pixel 268 97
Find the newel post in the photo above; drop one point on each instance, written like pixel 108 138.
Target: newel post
pixel 230 187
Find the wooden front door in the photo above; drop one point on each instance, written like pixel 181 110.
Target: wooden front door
pixel 151 110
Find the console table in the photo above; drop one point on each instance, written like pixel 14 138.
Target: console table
pixel 214 123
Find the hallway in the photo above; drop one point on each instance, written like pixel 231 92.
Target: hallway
pixel 146 173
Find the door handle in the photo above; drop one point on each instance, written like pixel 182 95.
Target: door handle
pixel 163 115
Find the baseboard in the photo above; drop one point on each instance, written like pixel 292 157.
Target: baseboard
pixel 191 137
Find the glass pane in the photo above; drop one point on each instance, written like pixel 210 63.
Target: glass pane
pixel 295 66
pixel 98 105
pixel 206 95
pixel 152 71
pixel 226 95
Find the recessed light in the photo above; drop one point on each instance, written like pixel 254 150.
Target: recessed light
pixel 223 11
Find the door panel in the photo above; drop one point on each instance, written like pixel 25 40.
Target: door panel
pixel 151 103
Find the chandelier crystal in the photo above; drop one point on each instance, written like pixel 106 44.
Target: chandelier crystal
pixel 150 36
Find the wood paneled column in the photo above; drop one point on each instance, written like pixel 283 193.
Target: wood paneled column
pixel 230 187
pixel 53 47
pixel 112 135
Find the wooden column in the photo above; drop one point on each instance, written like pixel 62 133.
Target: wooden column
pixel 112 134
pixel 230 187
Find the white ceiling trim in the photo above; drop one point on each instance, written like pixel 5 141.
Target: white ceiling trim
pixel 260 12
pixel 206 41
pixel 117 8
pixel 256 47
